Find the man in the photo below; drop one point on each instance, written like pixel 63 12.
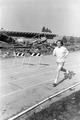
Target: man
pixel 61 53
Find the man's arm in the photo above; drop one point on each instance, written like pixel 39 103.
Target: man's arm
pixel 54 52
pixel 66 52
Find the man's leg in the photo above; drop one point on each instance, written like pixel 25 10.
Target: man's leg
pixel 63 69
pixel 66 72
pixel 58 73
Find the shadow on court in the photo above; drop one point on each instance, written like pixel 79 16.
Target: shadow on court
pixel 67 77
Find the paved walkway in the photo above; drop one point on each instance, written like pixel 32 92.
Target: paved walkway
pixel 23 85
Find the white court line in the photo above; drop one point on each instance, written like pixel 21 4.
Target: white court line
pixel 38 74
pixel 25 88
pixel 11 93
pixel 43 101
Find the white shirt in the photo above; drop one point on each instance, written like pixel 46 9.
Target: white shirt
pixel 60 53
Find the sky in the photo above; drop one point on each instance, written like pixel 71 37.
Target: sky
pixel 61 16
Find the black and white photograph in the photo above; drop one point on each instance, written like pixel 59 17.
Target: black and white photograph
pixel 39 59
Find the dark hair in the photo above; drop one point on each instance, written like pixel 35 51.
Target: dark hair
pixel 60 42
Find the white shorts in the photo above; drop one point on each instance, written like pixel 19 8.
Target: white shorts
pixel 60 64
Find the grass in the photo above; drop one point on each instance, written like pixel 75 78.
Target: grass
pixel 66 109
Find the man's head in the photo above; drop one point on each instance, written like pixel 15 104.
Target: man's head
pixel 59 43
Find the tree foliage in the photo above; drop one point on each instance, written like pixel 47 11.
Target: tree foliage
pixel 64 39
pixel 44 29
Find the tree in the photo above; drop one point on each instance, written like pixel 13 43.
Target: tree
pixel 72 40
pixel 46 30
pixel 43 29
pixel 64 39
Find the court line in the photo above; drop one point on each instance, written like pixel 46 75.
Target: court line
pixel 27 87
pixel 15 85
pixel 23 89
pixel 50 70
pixel 43 101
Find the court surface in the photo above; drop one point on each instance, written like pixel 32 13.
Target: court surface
pixel 23 85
